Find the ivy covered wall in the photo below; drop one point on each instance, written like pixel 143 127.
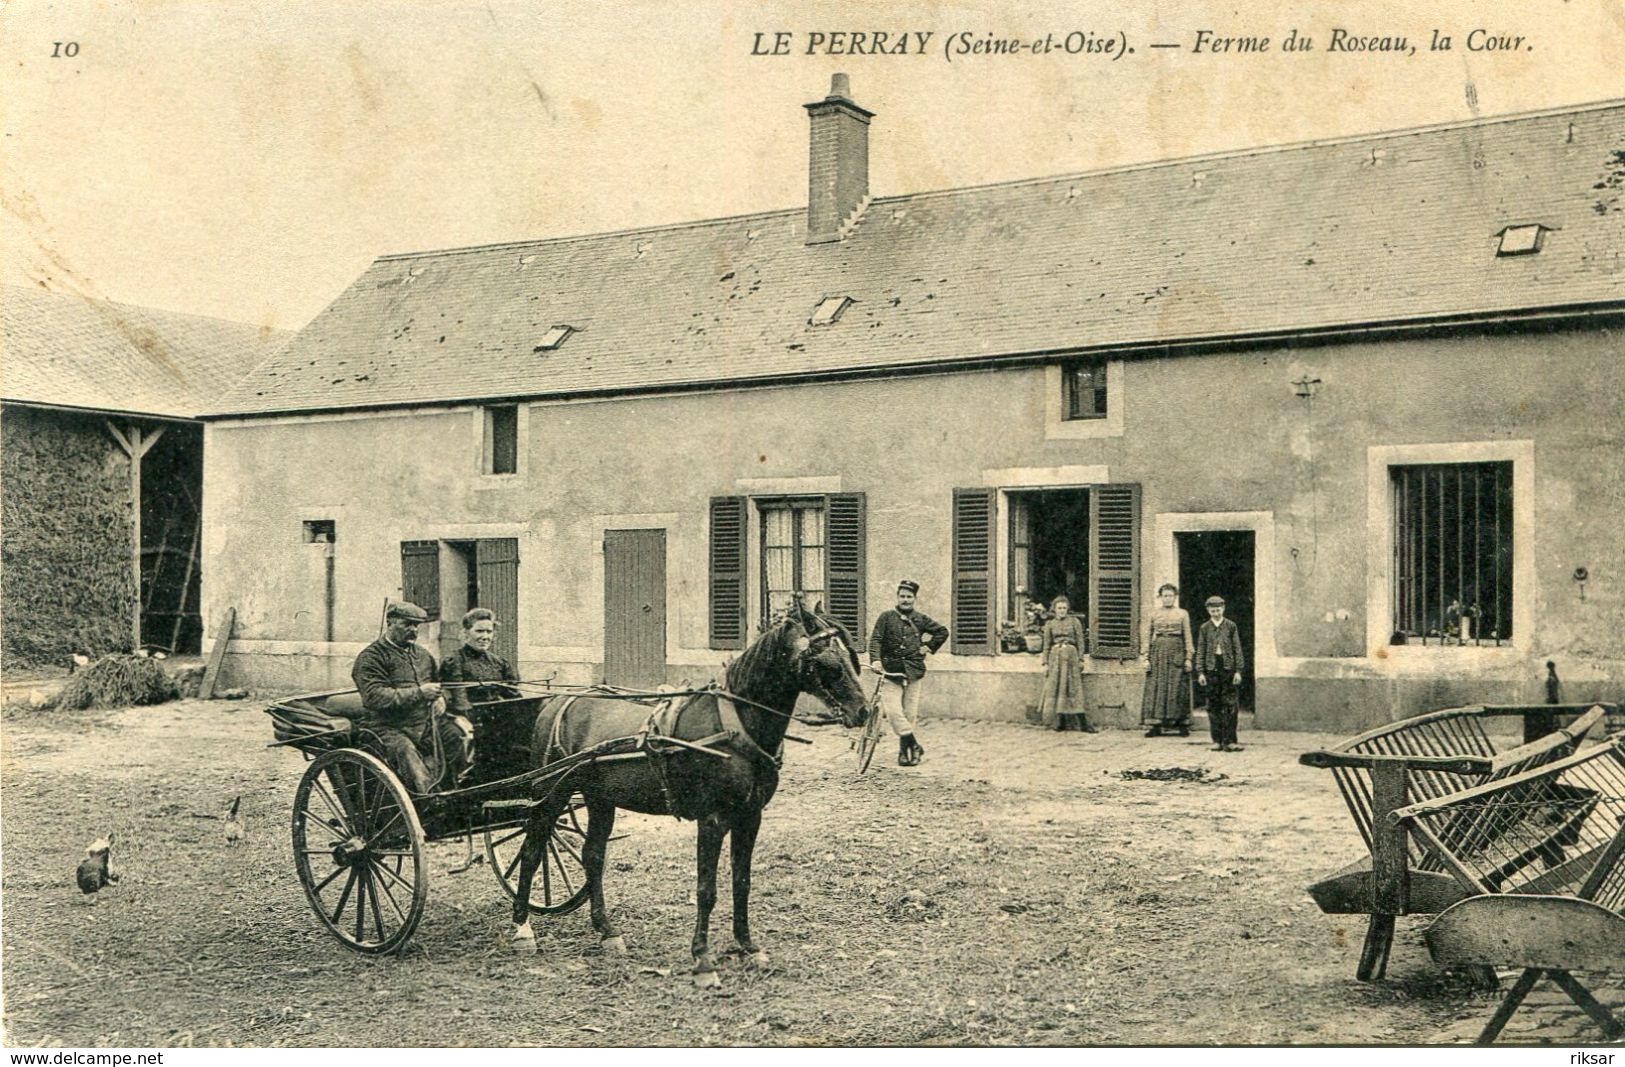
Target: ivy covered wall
pixel 65 537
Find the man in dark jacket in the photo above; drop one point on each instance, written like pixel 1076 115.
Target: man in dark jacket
pixel 903 636
pixel 404 709
pixel 1219 663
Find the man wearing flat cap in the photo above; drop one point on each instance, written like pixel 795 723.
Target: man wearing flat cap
pixel 903 636
pixel 405 712
pixel 1219 664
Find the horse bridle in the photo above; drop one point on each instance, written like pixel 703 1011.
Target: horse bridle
pixel 815 684
pixel 817 688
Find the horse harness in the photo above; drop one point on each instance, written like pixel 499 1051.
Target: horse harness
pixel 657 739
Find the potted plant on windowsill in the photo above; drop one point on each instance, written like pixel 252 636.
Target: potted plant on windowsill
pixel 1011 638
pixel 1033 636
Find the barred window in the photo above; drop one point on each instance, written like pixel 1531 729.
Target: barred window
pixel 1452 553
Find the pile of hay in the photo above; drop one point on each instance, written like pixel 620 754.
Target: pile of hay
pixel 117 681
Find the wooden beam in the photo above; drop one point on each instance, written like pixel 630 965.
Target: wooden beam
pixel 124 442
pixel 186 584
pixel 217 653
pixel 152 439
pixel 137 450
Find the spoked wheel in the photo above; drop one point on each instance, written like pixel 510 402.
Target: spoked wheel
pixel 868 740
pixel 359 851
pixel 560 885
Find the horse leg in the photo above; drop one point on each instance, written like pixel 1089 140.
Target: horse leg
pixel 537 828
pixel 600 823
pixel 708 849
pixel 742 846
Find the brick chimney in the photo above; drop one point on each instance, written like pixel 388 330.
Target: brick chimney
pixel 837 163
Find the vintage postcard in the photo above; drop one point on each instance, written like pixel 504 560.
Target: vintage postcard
pixel 823 524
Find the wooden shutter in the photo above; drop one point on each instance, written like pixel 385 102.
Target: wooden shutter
pixel 1114 571
pixel 727 564
pixel 973 572
pixel 497 560
pixel 420 575
pixel 844 560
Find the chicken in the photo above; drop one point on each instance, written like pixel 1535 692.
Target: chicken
pixel 94 871
pixel 236 832
pixel 79 660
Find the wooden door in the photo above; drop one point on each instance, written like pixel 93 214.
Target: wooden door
pixel 496 559
pixel 635 608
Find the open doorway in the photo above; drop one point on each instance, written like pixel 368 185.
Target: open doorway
pixel 483 573
pixel 1220 562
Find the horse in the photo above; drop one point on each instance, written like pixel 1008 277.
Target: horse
pixel 797 652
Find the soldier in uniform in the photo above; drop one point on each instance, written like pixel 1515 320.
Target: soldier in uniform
pixel 903 636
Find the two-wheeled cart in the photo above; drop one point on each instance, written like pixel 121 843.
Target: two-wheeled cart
pixel 359 834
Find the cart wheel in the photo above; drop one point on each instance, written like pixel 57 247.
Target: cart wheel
pixel 359 851
pixel 561 878
pixel 869 740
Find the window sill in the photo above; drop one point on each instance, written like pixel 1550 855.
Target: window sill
pixel 1432 657
pixel 499 481
pixel 1084 429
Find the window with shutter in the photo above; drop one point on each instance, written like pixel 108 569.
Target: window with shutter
pixel 1114 569
pixel 844 571
pixel 727 566
pixel 972 609
pixel 794 553
pixel 420 575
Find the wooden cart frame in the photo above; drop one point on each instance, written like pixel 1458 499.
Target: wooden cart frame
pixel 359 834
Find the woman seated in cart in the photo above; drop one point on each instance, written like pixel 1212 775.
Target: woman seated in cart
pixel 474 674
pixel 482 686
pixel 405 712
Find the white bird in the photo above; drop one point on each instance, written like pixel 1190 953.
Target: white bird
pixel 236 832
pixel 79 660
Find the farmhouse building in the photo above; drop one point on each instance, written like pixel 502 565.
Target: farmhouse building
pixel 1368 390
pixel 98 409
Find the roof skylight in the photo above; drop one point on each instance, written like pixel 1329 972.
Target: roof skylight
pixel 829 310
pixel 1521 240
pixel 553 338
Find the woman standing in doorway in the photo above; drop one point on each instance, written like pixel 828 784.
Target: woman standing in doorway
pixel 1063 660
pixel 1166 702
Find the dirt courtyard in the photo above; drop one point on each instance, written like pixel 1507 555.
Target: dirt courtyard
pixel 1064 905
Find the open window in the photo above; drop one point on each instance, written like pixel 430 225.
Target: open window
pixel 1082 541
pixel 1049 552
pixel 501 439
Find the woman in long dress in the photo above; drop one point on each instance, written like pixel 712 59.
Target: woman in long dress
pixel 1063 660
pixel 1166 703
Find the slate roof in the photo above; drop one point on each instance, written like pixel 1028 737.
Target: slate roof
pixel 1393 228
pixel 71 351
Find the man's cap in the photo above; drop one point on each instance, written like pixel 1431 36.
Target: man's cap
pixel 907 586
pixel 405 609
pixel 1215 601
